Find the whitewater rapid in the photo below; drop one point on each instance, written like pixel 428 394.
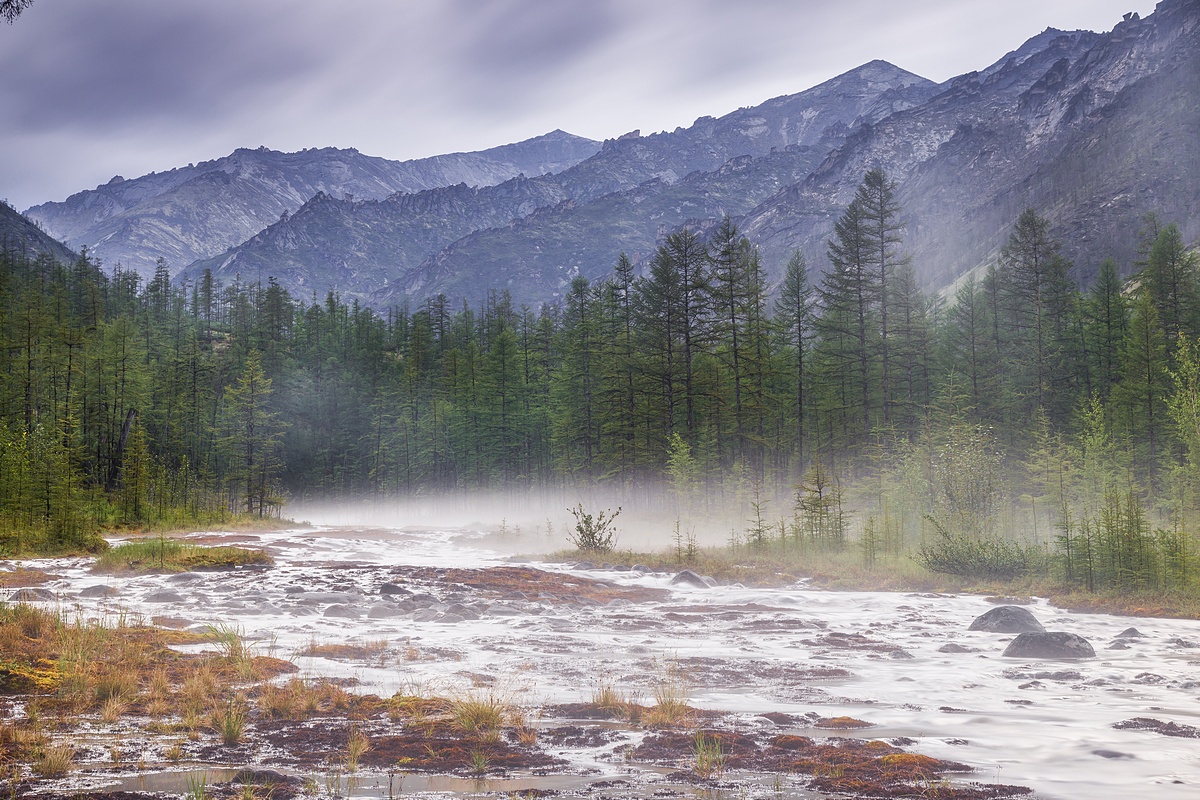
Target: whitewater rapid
pixel 1047 725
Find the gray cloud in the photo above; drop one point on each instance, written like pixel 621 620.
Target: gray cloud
pixel 131 86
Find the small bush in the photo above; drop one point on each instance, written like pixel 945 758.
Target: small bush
pixel 594 534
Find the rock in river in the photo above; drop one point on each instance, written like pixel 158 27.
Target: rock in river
pixel 689 578
pixel 1049 644
pixel 31 595
pixel 1007 619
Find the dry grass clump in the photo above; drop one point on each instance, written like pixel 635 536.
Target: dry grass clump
pixel 356 747
pixel 299 699
pixel 616 702
pixel 481 715
pixel 671 695
pixel 54 760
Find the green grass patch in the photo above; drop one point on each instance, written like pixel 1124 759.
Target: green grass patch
pixel 169 555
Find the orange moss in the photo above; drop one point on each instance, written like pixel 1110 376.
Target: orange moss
pixel 842 723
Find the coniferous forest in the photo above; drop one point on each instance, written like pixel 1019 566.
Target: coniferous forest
pixel 1017 421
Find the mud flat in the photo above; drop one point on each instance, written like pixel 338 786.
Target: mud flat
pixel 418 663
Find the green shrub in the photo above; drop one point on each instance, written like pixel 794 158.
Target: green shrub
pixel 985 556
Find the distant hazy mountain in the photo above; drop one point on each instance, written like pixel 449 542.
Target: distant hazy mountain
pixel 1092 131
pixel 530 235
pixel 19 234
pixel 203 209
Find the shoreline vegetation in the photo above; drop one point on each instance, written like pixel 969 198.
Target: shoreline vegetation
pixel 845 572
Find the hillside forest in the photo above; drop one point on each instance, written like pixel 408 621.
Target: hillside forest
pixel 1018 421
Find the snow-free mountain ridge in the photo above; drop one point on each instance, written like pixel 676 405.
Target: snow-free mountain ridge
pixel 1092 130
pixel 394 249
pixel 203 209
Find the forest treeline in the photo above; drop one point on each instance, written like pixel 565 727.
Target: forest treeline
pixel 1019 407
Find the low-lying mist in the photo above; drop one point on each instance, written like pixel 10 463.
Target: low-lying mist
pixel 651 517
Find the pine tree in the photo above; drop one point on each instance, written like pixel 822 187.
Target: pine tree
pixel 848 326
pixel 251 438
pixel 1039 303
pixel 1141 394
pixel 794 319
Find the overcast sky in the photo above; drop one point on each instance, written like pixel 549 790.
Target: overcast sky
pixel 94 88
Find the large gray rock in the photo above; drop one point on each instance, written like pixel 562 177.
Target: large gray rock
pixel 689 578
pixel 1007 619
pixel 31 594
pixel 1049 644
pixel 98 590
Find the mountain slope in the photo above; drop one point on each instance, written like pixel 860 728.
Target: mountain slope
pixel 201 210
pixel 1092 131
pixel 20 235
pixel 299 250
pixel 344 245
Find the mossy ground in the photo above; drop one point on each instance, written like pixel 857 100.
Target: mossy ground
pixel 169 555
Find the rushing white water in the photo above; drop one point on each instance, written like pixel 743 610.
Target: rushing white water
pixel 1046 725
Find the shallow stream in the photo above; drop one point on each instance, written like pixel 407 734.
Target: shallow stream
pixel 878 657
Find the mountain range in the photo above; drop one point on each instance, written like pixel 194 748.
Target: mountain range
pixel 1092 130
pixel 200 210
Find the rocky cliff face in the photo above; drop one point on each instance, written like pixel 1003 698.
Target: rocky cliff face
pixel 201 210
pixel 1091 130
pixel 532 235
pixel 20 235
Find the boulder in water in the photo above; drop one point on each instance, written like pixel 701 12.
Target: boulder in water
pixel 98 590
pixel 31 594
pixel 689 578
pixel 1049 644
pixel 1007 619
pixel 343 610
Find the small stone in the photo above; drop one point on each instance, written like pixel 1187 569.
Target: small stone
pixel 1111 754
